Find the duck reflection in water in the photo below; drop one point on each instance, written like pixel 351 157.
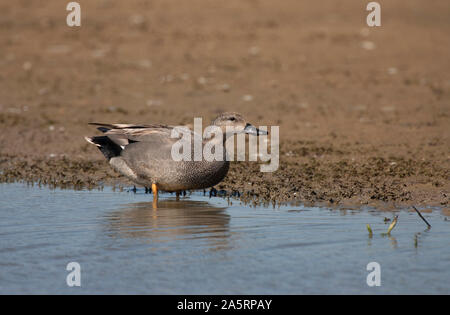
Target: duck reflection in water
pixel 173 220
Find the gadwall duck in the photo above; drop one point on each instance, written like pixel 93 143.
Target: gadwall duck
pixel 143 153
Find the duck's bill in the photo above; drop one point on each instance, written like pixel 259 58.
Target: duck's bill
pixel 252 130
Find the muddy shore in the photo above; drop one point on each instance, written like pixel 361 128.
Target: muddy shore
pixel 364 113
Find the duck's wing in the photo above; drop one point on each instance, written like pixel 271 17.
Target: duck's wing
pixel 124 134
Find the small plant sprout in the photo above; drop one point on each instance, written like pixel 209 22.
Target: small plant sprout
pixel 392 226
pixel 369 229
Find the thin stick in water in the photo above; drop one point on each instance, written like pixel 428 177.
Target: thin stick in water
pixel 420 215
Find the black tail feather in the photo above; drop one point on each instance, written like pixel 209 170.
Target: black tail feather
pixel 106 146
pixel 103 129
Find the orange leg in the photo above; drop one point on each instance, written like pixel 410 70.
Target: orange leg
pixel 155 195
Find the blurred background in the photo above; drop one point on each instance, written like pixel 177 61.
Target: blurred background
pixel 338 89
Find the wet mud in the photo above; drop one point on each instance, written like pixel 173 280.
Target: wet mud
pixel 363 112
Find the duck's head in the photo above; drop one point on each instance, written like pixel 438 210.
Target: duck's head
pixel 235 123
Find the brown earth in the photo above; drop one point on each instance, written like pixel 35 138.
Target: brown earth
pixel 363 112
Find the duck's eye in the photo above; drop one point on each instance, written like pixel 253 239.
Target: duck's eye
pixel 232 119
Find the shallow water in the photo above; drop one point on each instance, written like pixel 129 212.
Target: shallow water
pixel 200 245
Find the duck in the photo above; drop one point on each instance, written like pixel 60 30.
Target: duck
pixel 143 153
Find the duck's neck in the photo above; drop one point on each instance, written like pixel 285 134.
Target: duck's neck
pixel 220 141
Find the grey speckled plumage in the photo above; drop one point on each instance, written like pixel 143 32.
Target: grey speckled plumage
pixel 142 153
